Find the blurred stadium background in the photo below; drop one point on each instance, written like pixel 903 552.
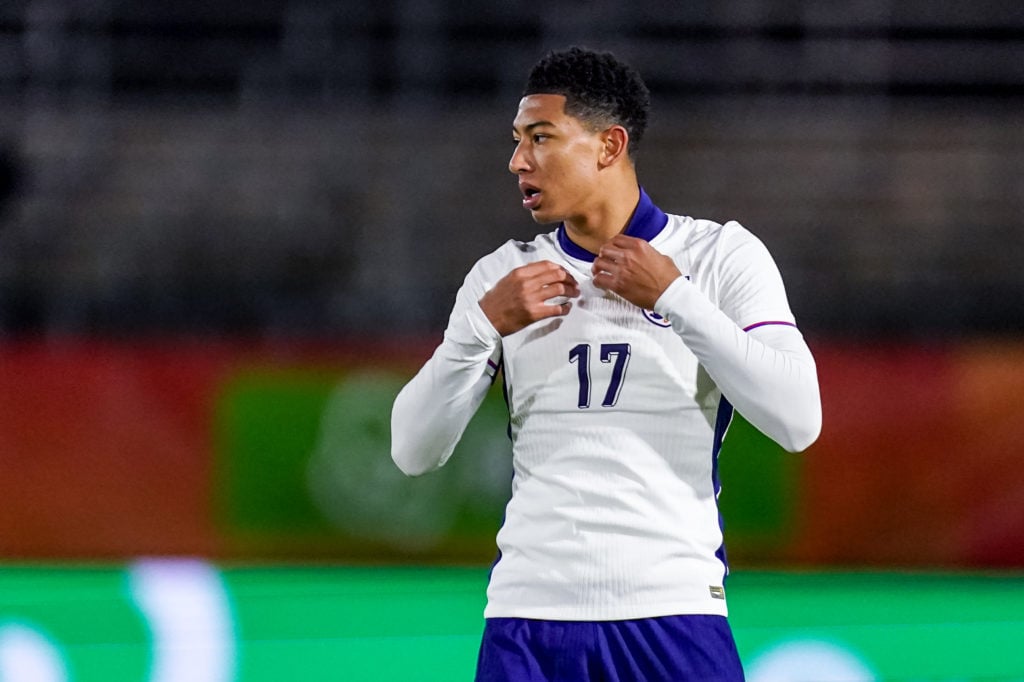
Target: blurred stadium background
pixel 230 231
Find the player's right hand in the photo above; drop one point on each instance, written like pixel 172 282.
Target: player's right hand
pixel 525 295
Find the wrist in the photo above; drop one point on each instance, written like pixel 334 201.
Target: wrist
pixel 669 294
pixel 484 327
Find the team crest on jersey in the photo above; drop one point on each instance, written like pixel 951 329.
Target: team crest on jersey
pixel 655 318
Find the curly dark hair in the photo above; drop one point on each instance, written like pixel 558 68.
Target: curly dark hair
pixel 599 89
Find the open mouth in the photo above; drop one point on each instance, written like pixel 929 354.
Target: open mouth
pixel 531 196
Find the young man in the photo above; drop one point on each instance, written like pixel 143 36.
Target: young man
pixel 626 338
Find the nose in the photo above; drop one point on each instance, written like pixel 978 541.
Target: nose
pixel 518 163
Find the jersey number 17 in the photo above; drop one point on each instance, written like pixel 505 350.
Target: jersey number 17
pixel 609 352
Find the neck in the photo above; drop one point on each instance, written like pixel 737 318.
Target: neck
pixel 607 217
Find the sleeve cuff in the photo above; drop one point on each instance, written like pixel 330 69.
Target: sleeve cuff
pixel 483 330
pixel 474 336
pixel 670 298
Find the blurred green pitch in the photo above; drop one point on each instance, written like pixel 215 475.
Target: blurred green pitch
pixel 388 623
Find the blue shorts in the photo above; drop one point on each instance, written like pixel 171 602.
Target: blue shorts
pixel 669 648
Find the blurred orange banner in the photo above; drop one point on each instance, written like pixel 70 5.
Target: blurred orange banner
pixel 112 449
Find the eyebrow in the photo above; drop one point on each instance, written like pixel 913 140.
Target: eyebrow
pixel 530 126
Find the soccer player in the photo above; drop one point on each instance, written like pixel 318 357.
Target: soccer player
pixel 626 338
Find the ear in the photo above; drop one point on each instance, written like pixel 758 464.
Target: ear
pixel 615 143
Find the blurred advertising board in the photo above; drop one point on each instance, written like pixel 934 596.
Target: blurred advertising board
pixel 228 450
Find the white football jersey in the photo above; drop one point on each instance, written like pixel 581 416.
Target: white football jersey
pixel 617 416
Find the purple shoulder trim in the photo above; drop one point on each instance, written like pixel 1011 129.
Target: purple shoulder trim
pixel 762 324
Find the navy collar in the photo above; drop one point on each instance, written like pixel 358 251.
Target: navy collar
pixel 647 222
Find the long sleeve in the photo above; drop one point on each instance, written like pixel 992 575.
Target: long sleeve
pixel 432 410
pixel 766 372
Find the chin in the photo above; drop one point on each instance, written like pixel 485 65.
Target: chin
pixel 542 218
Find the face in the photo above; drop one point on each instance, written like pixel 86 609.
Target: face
pixel 556 159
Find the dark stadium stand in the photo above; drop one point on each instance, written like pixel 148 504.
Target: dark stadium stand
pixel 237 166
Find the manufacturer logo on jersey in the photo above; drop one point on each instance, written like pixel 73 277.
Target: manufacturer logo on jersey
pixel 655 318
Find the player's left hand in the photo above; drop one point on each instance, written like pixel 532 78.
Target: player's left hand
pixel 634 270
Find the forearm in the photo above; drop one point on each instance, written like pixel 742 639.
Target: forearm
pixel 768 373
pixel 432 410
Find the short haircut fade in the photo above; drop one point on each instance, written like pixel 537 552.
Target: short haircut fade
pixel 599 89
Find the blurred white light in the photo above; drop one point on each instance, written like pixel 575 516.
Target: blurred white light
pixel 809 660
pixel 28 656
pixel 186 608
